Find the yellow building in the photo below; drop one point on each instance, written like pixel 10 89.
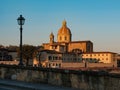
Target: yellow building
pixel 64 42
pixel 102 57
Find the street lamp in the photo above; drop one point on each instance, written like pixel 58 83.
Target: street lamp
pixel 21 21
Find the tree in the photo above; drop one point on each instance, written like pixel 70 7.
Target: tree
pixel 37 55
pixel 1 46
pixel 12 48
pixel 27 52
pixel 37 49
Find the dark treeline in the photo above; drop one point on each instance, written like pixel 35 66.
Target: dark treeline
pixel 28 51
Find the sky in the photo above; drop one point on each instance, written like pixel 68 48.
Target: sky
pixel 94 20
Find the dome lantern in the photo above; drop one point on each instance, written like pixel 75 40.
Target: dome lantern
pixel 64 23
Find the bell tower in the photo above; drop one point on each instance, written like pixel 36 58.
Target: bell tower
pixel 51 37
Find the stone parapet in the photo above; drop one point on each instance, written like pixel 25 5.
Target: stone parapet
pixel 84 79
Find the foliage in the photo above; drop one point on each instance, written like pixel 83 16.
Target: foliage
pixel 12 48
pixel 29 52
pixel 1 46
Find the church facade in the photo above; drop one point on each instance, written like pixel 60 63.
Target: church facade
pixel 64 42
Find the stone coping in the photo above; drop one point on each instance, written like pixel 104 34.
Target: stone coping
pixel 86 71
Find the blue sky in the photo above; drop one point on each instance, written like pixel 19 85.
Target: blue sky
pixel 95 20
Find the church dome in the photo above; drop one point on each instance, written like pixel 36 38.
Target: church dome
pixel 64 33
pixel 64 29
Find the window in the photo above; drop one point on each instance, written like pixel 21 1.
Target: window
pixel 60 58
pixel 90 55
pixel 83 59
pixel 91 59
pixel 53 64
pixel 55 47
pixel 52 47
pixel 56 58
pixel 53 58
pixel 49 65
pixel 59 65
pixel 65 38
pixel 75 59
pixel 56 64
pixel 60 38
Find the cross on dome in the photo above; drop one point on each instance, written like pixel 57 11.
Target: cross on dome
pixel 64 22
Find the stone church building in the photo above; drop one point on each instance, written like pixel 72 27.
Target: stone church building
pixel 65 53
pixel 64 42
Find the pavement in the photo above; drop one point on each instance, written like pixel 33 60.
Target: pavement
pixel 20 85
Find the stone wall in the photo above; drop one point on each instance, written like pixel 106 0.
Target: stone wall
pixel 88 65
pixel 72 64
pixel 101 64
pixel 82 79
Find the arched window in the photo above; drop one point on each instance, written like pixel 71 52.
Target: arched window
pixel 60 38
pixel 56 64
pixel 53 64
pixel 50 58
pixel 60 58
pixel 65 38
pixel 56 58
pixel 49 65
pixel 59 65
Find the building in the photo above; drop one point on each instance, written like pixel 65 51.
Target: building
pixel 54 59
pixel 101 57
pixel 67 53
pixel 118 60
pixel 14 54
pixel 8 57
pixel 4 55
pixel 50 58
pixel 64 42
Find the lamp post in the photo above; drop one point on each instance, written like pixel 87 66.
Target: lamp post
pixel 21 21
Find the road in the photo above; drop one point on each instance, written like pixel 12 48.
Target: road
pixel 19 85
pixel 3 89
